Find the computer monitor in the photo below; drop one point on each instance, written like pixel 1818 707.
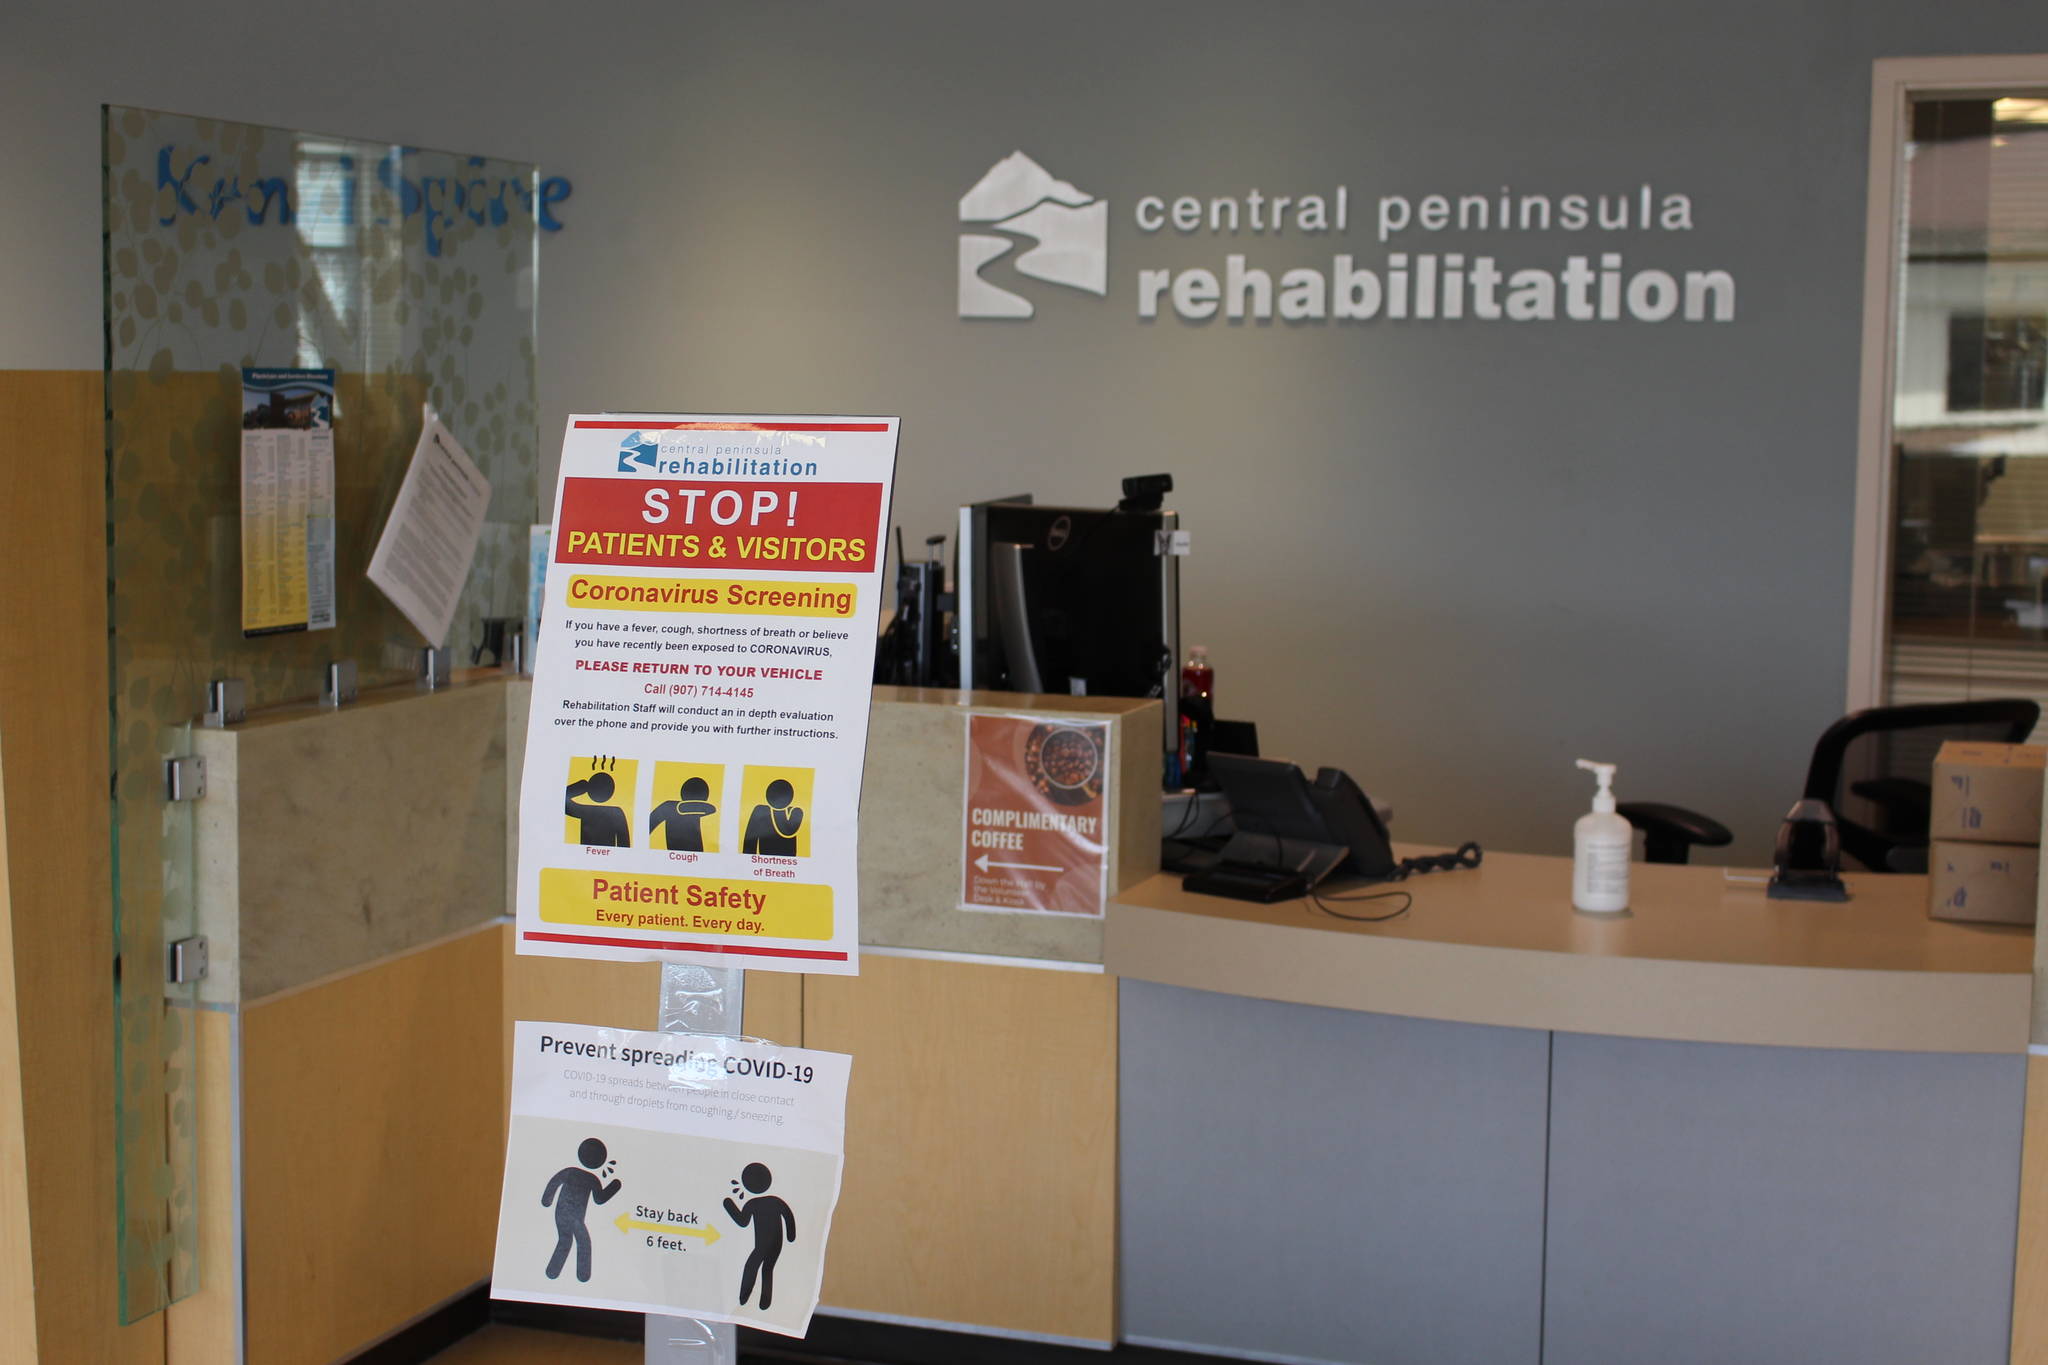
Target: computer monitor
pixel 1072 600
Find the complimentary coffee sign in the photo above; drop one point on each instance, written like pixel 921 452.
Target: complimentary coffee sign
pixel 1036 826
pixel 670 1173
pixel 701 687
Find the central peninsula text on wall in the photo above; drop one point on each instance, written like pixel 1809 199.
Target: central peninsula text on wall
pixel 1470 256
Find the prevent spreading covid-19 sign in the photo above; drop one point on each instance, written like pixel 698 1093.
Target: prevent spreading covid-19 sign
pixel 670 1173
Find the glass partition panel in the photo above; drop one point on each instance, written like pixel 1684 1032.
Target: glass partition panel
pixel 1969 588
pixel 411 275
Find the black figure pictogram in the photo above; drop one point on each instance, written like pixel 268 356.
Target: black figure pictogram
pixel 772 826
pixel 601 824
pixel 773 1222
pixel 571 1191
pixel 682 820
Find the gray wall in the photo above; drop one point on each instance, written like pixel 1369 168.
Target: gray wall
pixel 1450 557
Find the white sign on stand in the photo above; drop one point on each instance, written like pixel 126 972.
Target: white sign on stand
pixel 670 1173
pixel 701 691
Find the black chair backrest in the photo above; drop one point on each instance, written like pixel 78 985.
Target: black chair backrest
pixel 2003 720
pixel 2012 719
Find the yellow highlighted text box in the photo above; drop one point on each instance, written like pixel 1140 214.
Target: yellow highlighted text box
pixel 654 902
pixel 713 596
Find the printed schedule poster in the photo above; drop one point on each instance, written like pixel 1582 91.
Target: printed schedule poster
pixel 701 689
pixel 670 1173
pixel 1035 826
pixel 287 500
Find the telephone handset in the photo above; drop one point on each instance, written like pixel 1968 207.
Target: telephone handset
pixel 1292 834
pixel 1351 819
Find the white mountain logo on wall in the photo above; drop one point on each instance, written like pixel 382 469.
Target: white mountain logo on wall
pixel 1064 233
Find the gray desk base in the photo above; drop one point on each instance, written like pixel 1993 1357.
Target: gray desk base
pixel 1318 1185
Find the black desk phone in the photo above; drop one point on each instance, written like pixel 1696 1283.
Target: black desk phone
pixel 1293 834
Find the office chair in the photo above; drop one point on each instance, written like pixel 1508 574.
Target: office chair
pixel 1902 792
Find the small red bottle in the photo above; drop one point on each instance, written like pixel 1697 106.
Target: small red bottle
pixel 1197 678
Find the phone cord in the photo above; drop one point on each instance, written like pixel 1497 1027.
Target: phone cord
pixel 1467 855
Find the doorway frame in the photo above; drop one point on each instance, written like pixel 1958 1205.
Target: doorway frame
pixel 1893 82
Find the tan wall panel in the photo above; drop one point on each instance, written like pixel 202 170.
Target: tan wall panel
pixel 567 990
pixel 775 1007
pixel 372 1139
pixel 53 709
pixel 204 1327
pixel 2030 1268
pixel 17 1269
pixel 981 1144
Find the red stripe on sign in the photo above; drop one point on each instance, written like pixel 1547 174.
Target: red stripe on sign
pixel 677 945
pixel 660 523
pixel 732 426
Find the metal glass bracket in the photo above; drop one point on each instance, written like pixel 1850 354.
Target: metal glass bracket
pixel 435 669
pixel 340 686
pixel 189 960
pixel 227 703
pixel 184 778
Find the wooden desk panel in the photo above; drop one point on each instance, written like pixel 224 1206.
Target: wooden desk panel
pixel 373 1131
pixel 981 1145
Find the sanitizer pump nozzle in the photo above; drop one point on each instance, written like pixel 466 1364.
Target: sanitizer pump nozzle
pixel 1603 800
pixel 1602 843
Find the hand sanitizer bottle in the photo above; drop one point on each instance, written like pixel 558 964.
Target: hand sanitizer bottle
pixel 1601 844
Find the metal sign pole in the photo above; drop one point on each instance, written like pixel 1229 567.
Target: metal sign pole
pixel 697 1000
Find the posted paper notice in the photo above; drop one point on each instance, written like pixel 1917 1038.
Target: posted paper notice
pixel 670 1173
pixel 287 500
pixel 1035 823
pixel 701 689
pixel 422 560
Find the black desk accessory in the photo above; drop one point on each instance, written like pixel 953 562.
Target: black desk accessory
pixel 1145 492
pixel 1234 737
pixel 1809 857
pixel 1265 868
pixel 1197 854
pixel 1241 883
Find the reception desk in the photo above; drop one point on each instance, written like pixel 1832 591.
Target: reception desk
pixel 1718 1128
pixel 363 983
pixel 1698 957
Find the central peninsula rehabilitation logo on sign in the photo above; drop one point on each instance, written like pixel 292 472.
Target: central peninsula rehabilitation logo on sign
pixel 1032 225
pixel 638 453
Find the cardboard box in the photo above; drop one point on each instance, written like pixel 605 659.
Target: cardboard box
pixel 1988 793
pixel 1983 883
